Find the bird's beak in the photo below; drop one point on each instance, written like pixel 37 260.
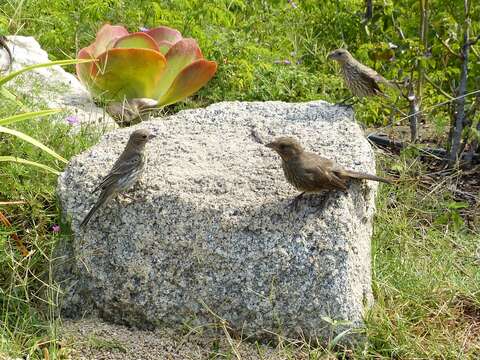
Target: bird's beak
pixel 270 145
pixel 151 136
pixel 330 56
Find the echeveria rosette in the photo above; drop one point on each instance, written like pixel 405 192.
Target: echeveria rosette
pixel 156 64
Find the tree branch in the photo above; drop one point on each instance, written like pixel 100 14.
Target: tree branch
pixel 446 46
pixel 473 42
pixel 438 88
pixel 462 89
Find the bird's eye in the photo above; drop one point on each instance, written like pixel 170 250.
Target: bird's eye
pixel 144 136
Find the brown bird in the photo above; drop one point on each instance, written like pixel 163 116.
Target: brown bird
pixel 124 173
pixel 360 79
pixel 311 173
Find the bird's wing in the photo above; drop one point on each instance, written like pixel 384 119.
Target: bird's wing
pixel 373 74
pixel 372 78
pixel 319 170
pixel 124 165
pixel 376 77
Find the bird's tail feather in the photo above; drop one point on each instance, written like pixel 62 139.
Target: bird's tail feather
pixel 360 175
pixel 89 215
pixel 101 200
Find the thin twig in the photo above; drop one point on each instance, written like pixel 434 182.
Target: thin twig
pixel 459 124
pixel 224 323
pixel 19 202
pixel 438 105
pixel 438 88
pixel 473 42
pixel 446 46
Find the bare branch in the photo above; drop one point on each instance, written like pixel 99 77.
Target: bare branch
pixel 438 105
pixel 446 46
pixel 473 42
pixel 462 89
pixel 438 88
pixel 368 9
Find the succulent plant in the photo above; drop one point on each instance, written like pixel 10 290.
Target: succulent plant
pixel 155 67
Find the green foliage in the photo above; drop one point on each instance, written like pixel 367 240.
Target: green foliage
pixel 27 292
pixel 246 38
pixel 157 64
pixel 425 276
pixel 28 116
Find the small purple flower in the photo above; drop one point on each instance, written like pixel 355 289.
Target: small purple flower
pixel 72 120
pixel 292 4
pixel 283 62
pixel 56 228
pixel 143 28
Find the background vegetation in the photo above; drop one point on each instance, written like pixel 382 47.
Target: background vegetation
pixel 425 245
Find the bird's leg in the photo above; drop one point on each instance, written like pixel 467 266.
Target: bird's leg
pixel 296 200
pixel 128 196
pixel 322 201
pixel 121 198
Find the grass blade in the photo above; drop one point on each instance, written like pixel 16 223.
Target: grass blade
pixel 28 162
pixel 32 141
pixel 10 76
pixel 28 115
pixel 336 339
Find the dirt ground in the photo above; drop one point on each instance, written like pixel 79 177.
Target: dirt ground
pixel 95 339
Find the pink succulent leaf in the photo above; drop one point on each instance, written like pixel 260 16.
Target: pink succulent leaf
pixel 180 55
pixel 84 70
pixel 128 73
pixel 106 37
pixel 164 46
pixel 188 81
pixel 137 40
pixel 163 33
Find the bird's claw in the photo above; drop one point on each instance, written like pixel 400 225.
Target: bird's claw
pixel 122 198
pixel 294 203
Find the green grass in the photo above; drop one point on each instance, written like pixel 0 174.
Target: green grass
pixel 425 258
pixel 27 293
pixel 426 278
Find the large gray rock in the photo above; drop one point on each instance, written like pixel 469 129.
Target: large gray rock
pixel 209 230
pixel 51 87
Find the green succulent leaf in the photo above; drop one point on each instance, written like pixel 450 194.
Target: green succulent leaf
pixel 106 37
pixel 164 33
pixel 143 65
pixel 165 37
pixel 164 46
pixel 189 80
pixel 130 73
pixel 182 54
pixel 137 40
pixel 85 69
